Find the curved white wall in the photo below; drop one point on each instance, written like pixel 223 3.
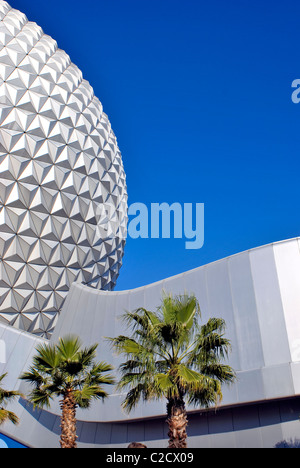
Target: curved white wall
pixel 257 293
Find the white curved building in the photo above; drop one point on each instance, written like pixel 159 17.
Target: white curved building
pixel 256 292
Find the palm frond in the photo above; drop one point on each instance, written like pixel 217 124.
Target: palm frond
pixel 170 355
pixel 6 415
pixel 187 377
pixel 88 393
pixel 132 349
pixel 34 377
pixel 210 345
pixel 222 372
pixel 8 395
pixel 188 310
pixel 164 386
pixel 131 379
pixel 168 308
pixel 133 397
pixel 98 375
pixel 58 368
pixel 2 376
pixel 69 348
pixel 101 367
pixel 87 355
pixel 41 398
pixel 46 358
pixel 207 394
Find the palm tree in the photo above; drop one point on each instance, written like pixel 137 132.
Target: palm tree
pixel 69 371
pixel 5 397
pixel 169 355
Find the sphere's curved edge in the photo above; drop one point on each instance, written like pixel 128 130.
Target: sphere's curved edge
pixel 63 193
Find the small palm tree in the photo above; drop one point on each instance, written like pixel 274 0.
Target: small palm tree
pixel 170 356
pixel 69 371
pixel 5 397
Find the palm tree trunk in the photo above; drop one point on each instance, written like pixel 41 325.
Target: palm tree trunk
pixel 177 422
pixel 68 421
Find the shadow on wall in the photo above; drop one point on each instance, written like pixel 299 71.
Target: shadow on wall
pixel 45 418
pixel 236 427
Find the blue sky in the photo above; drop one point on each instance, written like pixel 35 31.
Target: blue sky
pixel 199 96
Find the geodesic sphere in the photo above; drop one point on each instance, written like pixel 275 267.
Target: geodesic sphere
pixel 63 200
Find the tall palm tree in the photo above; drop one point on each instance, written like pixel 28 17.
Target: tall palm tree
pixel 5 397
pixel 68 371
pixel 169 355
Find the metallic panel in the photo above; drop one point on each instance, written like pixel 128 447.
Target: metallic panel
pixel 221 303
pixel 245 312
pixel 270 310
pixel 287 260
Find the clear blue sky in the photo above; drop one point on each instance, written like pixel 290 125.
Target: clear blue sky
pixel 199 95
